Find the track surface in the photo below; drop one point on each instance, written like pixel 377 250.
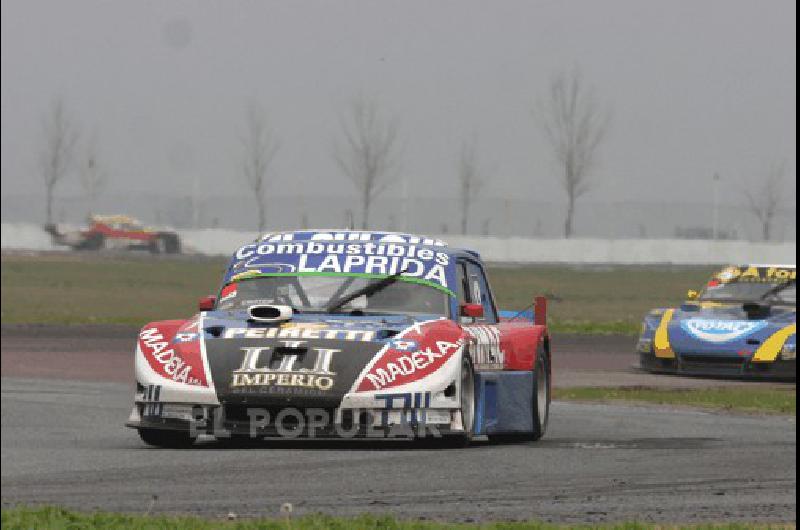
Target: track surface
pixel 63 443
pixel 66 393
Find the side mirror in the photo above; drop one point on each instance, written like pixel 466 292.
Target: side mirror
pixel 207 303
pixel 472 310
pixel 692 295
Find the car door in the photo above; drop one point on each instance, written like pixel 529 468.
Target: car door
pixel 485 333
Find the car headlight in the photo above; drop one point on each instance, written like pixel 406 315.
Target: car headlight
pixel 644 345
pixel 789 352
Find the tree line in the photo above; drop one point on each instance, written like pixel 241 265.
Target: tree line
pixel 571 116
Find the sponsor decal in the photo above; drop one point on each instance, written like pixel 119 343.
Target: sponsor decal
pixel 405 400
pixel 323 257
pixel 305 325
pixel 266 268
pixel 189 332
pixel 408 367
pixel 363 236
pixel 403 345
pixel 155 409
pixel 756 274
pixel 413 407
pixel 485 351
pixel 311 332
pixel 729 274
pixel 418 352
pixel 182 367
pixel 264 367
pixel 228 293
pixel 185 337
pixel 243 275
pixel 719 331
pixel 151 397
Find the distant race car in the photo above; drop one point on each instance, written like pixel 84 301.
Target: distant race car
pixel 742 324
pixel 345 334
pixel 118 232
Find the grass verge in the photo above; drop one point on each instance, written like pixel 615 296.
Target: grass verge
pixel 769 400
pixel 75 289
pixel 58 518
pixel 86 288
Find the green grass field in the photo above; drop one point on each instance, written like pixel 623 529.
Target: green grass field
pixel 758 399
pixel 58 518
pixel 82 288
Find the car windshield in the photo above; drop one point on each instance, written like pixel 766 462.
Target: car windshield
pixel 750 292
pixel 786 295
pixel 317 293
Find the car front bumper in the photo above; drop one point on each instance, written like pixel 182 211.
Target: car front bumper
pixel 720 366
pixel 257 422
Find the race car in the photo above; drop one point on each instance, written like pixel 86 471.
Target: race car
pixel 743 323
pixel 118 232
pixel 346 334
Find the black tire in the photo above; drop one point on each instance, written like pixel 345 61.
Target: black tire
pixel 92 242
pixel 173 243
pixel 541 396
pixel 166 438
pixel 158 245
pixel 166 243
pixel 467 398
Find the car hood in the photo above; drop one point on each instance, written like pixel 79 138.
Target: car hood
pixel 312 359
pixel 724 330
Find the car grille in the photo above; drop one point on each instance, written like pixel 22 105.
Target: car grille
pixel 713 364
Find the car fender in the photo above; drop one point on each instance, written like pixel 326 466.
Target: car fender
pixel 409 352
pixel 171 355
pixel 521 344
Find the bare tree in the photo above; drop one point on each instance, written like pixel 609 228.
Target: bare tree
pixel 93 178
pixel 56 156
pixel 575 125
pixel 259 148
pixel 764 201
pixel 368 153
pixel 469 179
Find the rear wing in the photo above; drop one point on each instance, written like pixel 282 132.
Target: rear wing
pixel 536 313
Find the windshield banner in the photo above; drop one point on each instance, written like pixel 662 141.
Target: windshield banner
pixel 353 236
pixel 419 264
pixel 774 274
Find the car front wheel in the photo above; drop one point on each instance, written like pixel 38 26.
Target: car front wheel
pixel 541 396
pixel 467 405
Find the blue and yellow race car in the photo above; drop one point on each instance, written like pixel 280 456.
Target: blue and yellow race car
pixel 743 323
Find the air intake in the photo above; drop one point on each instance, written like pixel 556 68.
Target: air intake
pixel 270 313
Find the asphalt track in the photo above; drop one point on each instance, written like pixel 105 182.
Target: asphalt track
pixel 63 443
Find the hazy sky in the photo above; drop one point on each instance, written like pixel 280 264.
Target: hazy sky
pixel 695 86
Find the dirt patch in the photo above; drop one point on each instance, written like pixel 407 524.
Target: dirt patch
pixel 88 353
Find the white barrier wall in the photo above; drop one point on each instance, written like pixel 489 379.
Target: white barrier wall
pixel 627 251
pixel 215 242
pixel 23 236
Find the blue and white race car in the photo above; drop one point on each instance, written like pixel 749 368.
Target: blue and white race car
pixel 345 334
pixel 742 324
